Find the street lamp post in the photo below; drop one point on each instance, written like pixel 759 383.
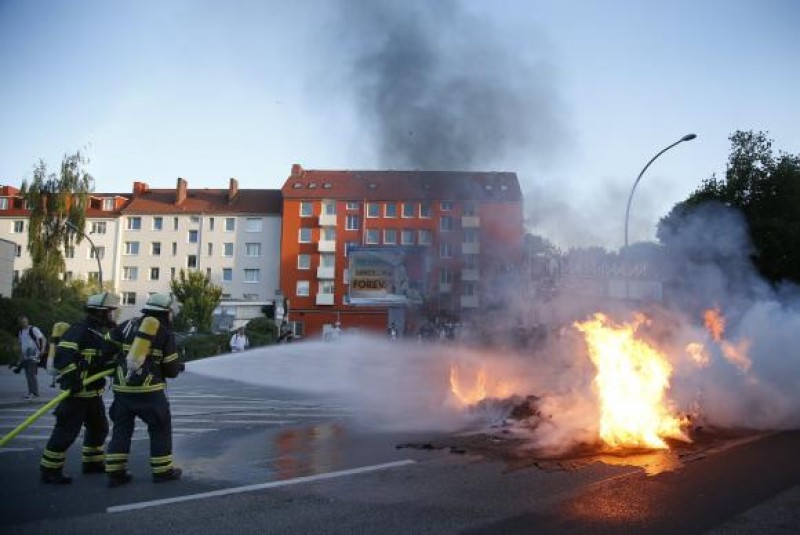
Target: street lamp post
pixel 94 250
pixel 687 137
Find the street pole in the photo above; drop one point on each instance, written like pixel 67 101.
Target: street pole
pixel 94 250
pixel 687 137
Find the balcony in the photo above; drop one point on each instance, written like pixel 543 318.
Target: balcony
pixel 327 246
pixel 470 221
pixel 471 248
pixel 327 220
pixel 445 287
pixel 469 301
pixel 470 274
pixel 324 272
pixel 324 299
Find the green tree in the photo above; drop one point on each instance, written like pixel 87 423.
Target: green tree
pixel 54 199
pixel 766 188
pixel 198 298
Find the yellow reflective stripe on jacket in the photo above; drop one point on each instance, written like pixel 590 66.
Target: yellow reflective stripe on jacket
pixel 170 358
pixel 68 345
pixel 66 370
pixel 89 393
pixel 125 389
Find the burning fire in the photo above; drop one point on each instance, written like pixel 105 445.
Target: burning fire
pixel 715 323
pixel 632 380
pixel 697 352
pixel 736 354
pixel 478 389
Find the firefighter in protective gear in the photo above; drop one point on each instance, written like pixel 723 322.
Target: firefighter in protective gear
pixel 77 356
pixel 145 357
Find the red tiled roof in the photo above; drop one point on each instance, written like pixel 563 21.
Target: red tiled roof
pixel 401 185
pixel 249 201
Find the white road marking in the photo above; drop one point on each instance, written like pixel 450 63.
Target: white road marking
pixel 9 450
pixel 259 486
pixel 226 421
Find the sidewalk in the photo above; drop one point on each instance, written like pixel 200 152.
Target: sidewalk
pixel 13 389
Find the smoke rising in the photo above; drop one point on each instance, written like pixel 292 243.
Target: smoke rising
pixel 442 89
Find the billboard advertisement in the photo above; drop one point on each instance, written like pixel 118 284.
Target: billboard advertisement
pixel 388 276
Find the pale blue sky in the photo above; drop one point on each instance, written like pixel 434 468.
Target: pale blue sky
pixel 211 90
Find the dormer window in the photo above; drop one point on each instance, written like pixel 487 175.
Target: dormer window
pixel 108 205
pixel 312 185
pixel 3 203
pixel 327 185
pixel 297 185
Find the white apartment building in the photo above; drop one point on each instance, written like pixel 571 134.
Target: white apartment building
pixel 146 238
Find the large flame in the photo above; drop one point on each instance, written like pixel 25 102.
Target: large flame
pixel 632 380
pixel 736 353
pixel 480 387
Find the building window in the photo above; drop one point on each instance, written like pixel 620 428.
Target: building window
pixel 134 223
pixel 390 236
pixel 446 206
pixel 253 224
pixel 252 249
pixel 174 248
pixel 326 287
pixel 171 273
pixel 227 274
pixel 93 276
pixel 155 273
pixel 158 223
pixel 470 235
pixel 305 235
pixel 329 207
pixel 131 248
pixel 191 261
pixel 68 276
pixel 445 276
pixel 470 261
pixel 468 289
pixel 98 227
pixel 227 249
pixel 445 250
pixel 302 289
pixel 252 275
pixel 193 236
pixel 210 249
pixel 446 223
pixel 327 260
pixel 175 223
pixel 3 203
pixel 470 209
pixel 390 210
pixel 130 273
pixel 19 227
pixel 250 297
pixel 69 251
pixel 128 298
pixel 230 224
pixel 407 237
pixel 16 275
pixel 194 219
pixel 373 209
pixel 97 252
pixel 210 223
pixel 306 209
pixel 353 222
pixel 19 251
pixel 373 236
pixel 409 209
pixel 346 276
pixel 303 261
pixel 329 234
pixel 352 205
pixel 425 209
pixel 425 237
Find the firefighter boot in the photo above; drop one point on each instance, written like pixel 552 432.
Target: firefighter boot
pixel 94 468
pixel 117 479
pixel 55 477
pixel 173 474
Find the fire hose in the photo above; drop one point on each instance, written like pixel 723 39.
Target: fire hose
pixel 47 406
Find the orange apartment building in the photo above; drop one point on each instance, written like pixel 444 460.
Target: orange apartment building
pixel 468 225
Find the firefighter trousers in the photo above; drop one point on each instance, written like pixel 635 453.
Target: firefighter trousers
pixel 153 409
pixel 72 414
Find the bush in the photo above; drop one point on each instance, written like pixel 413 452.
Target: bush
pixel 198 346
pixel 261 332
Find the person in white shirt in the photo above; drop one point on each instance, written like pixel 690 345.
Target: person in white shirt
pixel 239 341
pixel 32 344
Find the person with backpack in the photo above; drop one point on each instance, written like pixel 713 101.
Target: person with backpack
pixel 32 345
pixel 78 356
pixel 146 357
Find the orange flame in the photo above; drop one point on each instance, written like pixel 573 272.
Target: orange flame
pixel 736 354
pixel 697 352
pixel 715 323
pixel 482 387
pixel 632 379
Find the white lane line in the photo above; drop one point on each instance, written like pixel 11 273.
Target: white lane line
pixel 226 421
pixel 9 450
pixel 180 414
pixel 259 486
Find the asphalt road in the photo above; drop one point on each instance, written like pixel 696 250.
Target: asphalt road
pixel 320 473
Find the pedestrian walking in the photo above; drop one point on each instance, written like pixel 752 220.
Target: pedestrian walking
pixel 32 347
pixel 146 357
pixel 239 341
pixel 77 357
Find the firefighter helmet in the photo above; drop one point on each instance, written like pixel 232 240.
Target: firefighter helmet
pixel 158 303
pixel 102 301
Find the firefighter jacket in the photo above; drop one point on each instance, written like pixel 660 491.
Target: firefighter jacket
pixel 159 361
pixel 79 355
